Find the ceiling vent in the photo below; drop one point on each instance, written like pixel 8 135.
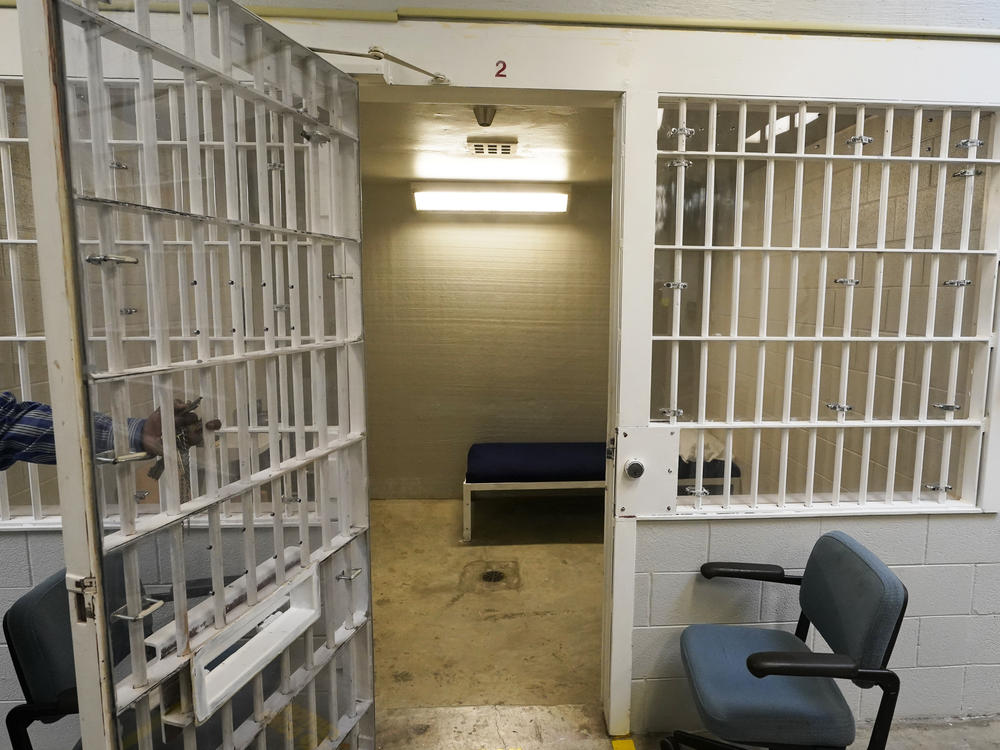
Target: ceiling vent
pixel 492 146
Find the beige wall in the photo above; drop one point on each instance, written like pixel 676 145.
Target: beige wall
pixel 480 329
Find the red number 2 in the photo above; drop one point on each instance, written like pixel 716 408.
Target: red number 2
pixel 501 69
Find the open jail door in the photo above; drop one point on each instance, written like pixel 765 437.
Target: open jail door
pixel 196 183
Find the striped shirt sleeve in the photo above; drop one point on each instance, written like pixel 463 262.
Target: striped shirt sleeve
pixel 26 432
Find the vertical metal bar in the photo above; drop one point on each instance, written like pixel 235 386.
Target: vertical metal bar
pixel 675 309
pixel 706 295
pixel 793 298
pixel 852 262
pixel 876 326
pixel 734 301
pixel 932 293
pixel 14 251
pixel 904 301
pixel 959 303
pixel 823 280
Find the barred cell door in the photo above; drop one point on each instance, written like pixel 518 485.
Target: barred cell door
pixel 196 184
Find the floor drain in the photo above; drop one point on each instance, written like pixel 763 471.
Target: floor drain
pixel 493 576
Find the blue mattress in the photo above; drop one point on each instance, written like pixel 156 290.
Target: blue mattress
pixel 535 462
pixel 557 462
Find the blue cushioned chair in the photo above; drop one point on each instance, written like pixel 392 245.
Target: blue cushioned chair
pixel 766 688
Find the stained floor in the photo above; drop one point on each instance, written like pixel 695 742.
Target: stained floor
pixel 446 637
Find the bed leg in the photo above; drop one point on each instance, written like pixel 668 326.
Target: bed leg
pixel 466 513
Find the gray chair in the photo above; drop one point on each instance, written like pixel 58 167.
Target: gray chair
pixel 766 688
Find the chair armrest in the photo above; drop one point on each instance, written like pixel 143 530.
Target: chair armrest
pixel 801 664
pixel 751 571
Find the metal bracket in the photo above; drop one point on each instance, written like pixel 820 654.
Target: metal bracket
pixel 345 576
pixel 654 493
pixel 283 307
pixel 129 310
pixel 291 499
pixel 864 140
pixel 847 282
pixel 947 407
pixel 609 452
pixel 675 285
pixel 688 132
pixel 672 412
pixel 275 166
pixel 339 276
pixel 699 491
pixel 84 587
pixel 154 604
pixel 938 487
pixel 840 407
pixel 118 165
pixel 116 259
pixel 680 163
pixel 969 143
pixel 970 172
pixel 957 282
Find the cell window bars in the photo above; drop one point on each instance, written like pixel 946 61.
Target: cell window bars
pixel 214 164
pixel 825 280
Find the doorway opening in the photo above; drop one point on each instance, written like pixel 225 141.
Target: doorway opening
pixel 484 326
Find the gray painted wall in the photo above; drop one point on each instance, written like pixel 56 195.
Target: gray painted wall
pixel 948 651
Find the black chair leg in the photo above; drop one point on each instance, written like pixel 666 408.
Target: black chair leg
pixel 18 720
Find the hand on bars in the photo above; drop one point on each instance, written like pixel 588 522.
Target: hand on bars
pixel 187 424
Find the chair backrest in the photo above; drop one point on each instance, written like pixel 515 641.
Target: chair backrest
pixel 853 599
pixel 37 631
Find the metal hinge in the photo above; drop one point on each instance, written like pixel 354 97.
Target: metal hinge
pixel 680 163
pixel 969 143
pixel 688 132
pixel 675 285
pixel 609 452
pixel 129 310
pixel 938 487
pixel 840 407
pixel 118 165
pixel 847 282
pixel 85 589
pixel 864 140
pixel 957 282
pixel 672 412
pixel 970 172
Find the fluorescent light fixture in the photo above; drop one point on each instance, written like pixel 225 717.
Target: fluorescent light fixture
pixel 488 198
pixel 781 125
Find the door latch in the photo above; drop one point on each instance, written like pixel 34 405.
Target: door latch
pixel 84 590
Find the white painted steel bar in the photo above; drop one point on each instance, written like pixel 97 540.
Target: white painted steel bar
pixel 793 299
pixel 852 260
pixel 902 324
pixel 706 297
pixel 803 250
pixel 876 314
pixel 734 299
pixel 958 311
pixel 845 158
pixel 932 298
pixel 680 167
pixel 822 282
pixel 17 286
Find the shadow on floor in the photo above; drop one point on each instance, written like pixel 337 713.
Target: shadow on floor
pixel 569 517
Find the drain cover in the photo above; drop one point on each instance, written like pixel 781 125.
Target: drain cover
pixel 493 576
pixel 490 576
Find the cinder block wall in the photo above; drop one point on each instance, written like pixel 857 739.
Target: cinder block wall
pixel 948 651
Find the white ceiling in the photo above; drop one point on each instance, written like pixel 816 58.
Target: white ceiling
pixel 422 141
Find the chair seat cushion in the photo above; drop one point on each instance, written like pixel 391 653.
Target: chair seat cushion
pixel 739 707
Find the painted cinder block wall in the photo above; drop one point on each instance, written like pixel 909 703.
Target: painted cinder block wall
pixel 948 651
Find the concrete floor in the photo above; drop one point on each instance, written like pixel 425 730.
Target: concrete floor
pixel 582 728
pixel 443 637
pixel 461 664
